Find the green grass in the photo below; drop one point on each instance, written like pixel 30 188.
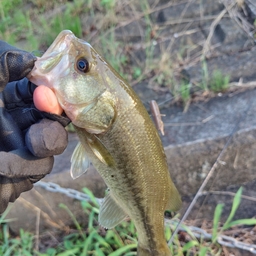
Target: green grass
pixel 219 82
pixel 120 241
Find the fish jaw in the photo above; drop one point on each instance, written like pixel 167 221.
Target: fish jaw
pixel 45 71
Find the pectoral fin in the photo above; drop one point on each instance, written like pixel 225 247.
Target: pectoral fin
pixel 94 145
pixel 100 151
pixel 79 161
pixel 111 214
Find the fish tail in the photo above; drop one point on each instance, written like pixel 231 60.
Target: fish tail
pixel 163 251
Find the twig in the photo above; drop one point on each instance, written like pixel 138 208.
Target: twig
pixel 226 193
pixel 37 230
pixel 47 205
pixel 157 117
pixel 239 19
pixel 169 47
pixel 187 20
pixel 206 46
pixel 46 217
pixel 191 123
pixel 241 84
pixel 126 23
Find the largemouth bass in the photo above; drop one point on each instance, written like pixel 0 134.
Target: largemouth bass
pixel 116 135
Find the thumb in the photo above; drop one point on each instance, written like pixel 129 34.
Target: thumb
pixel 46 101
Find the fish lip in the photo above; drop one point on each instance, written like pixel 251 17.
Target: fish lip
pixel 59 46
pixel 57 49
pixel 62 42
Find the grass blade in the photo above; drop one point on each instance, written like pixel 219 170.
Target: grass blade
pixel 235 205
pixel 124 249
pixel 216 219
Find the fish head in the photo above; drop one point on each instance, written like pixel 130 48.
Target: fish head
pixel 75 73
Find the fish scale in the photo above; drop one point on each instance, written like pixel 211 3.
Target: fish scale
pixel 116 135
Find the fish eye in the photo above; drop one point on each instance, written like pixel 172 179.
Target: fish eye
pixel 83 65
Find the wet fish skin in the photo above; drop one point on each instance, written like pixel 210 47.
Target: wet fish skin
pixel 117 136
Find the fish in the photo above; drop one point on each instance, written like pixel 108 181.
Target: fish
pixel 116 135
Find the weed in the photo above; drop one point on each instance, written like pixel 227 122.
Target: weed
pixel 108 4
pixel 112 51
pixel 229 222
pixel 205 76
pixel 164 75
pixel 23 245
pixel 218 82
pixel 61 21
pixel 36 27
pixel 122 240
pixel 136 72
pixel 185 92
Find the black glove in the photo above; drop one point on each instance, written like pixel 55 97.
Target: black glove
pixel 28 140
pixel 15 64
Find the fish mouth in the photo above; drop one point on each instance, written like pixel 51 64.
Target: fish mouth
pixel 60 44
pixel 51 58
pixel 55 52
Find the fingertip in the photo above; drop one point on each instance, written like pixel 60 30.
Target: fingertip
pixel 45 100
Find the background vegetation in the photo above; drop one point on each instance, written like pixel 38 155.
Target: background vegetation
pixel 128 34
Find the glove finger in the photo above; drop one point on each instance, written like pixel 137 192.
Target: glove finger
pixel 18 100
pixel 18 93
pixel 10 135
pixel 10 190
pixel 21 163
pixel 14 63
pixel 46 138
pixel 25 117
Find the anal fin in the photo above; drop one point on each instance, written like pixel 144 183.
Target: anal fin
pixel 111 213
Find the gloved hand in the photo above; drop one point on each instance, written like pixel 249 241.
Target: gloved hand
pixel 28 140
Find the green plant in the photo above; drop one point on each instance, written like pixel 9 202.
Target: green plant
pixel 67 20
pixel 136 72
pixel 120 241
pixel 108 4
pixel 205 76
pixel 229 222
pixel 22 245
pixel 90 240
pixel 185 92
pixel 218 82
pixel 112 51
